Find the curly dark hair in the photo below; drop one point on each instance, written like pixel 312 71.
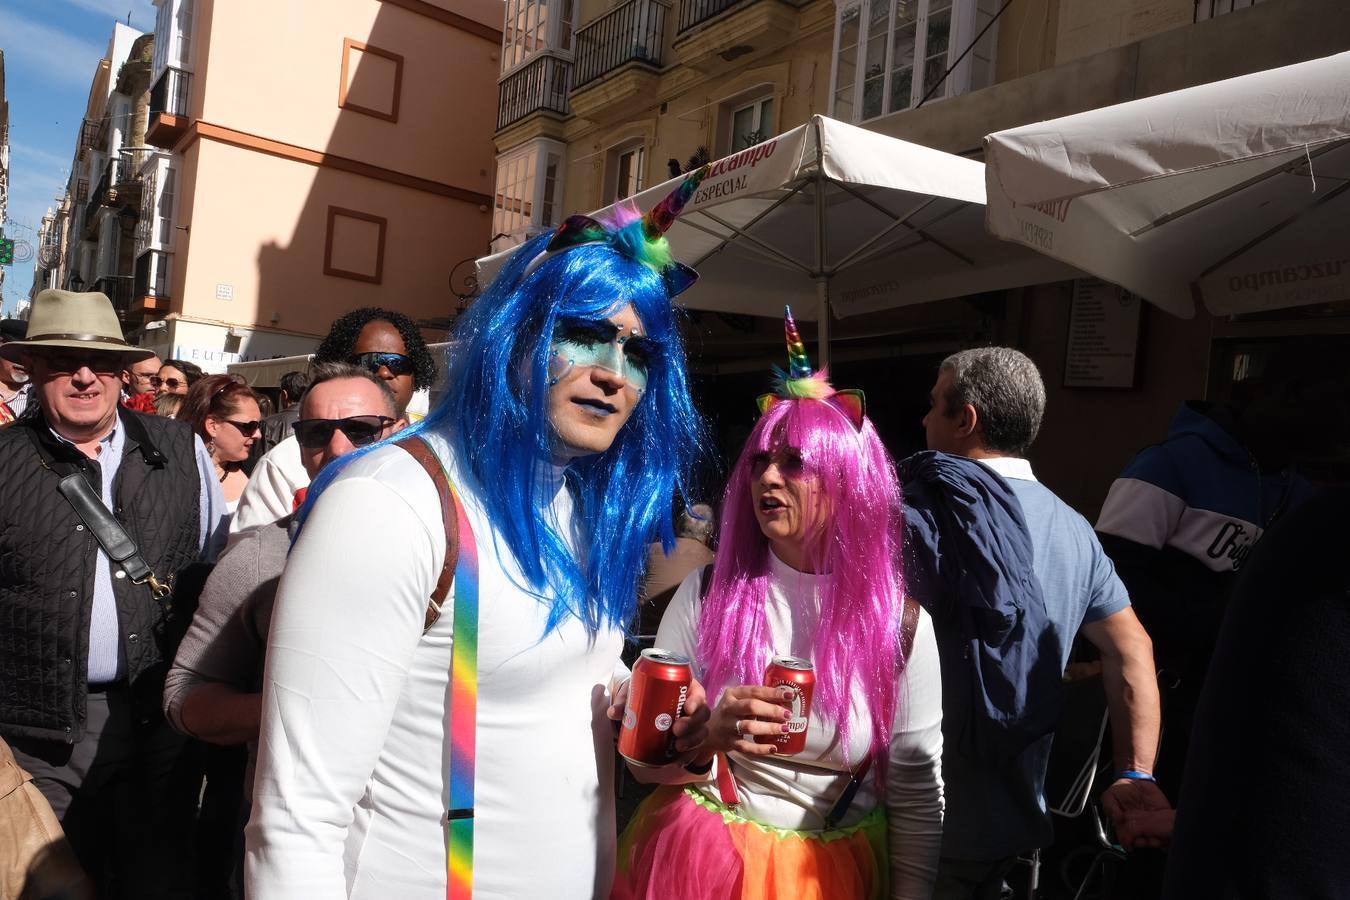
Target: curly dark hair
pixel 341 341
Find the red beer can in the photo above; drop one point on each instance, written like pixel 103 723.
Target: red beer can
pixel 800 675
pixel 656 698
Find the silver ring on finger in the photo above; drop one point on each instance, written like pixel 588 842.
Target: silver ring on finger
pixel 740 728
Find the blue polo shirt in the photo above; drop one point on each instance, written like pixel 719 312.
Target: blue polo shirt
pixel 993 813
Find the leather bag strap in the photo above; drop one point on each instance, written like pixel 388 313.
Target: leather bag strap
pixel 418 450
pixel 111 536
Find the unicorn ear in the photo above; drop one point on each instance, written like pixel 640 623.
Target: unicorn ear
pixel 577 230
pixel 765 401
pixel 679 278
pixel 852 404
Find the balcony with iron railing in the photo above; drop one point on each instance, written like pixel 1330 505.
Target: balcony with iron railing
pixel 125 187
pixel 631 32
pixel 742 27
pixel 116 288
pixel 696 12
pixel 539 85
pixel 98 197
pixel 150 282
pixel 169 107
pixel 90 132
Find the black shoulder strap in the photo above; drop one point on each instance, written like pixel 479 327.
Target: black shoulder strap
pixel 418 450
pixel 706 582
pixel 909 624
pixel 111 536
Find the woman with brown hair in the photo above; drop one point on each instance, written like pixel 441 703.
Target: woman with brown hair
pixel 224 413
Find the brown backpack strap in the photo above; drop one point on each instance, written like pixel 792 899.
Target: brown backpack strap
pixel 418 450
pixel 909 625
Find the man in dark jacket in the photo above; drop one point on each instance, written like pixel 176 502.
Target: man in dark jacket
pixel 85 641
pixel 987 406
pixel 277 427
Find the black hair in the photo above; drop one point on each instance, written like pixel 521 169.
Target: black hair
pixel 294 384
pixel 191 371
pixel 341 341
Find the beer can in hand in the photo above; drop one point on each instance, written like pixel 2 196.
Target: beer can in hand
pixel 656 698
pixel 800 675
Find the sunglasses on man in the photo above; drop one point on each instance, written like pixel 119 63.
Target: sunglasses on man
pixel 68 362
pixel 314 434
pixel 396 363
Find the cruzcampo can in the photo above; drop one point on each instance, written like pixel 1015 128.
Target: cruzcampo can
pixel 656 698
pixel 800 675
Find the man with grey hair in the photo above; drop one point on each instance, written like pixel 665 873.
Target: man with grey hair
pixel 987 407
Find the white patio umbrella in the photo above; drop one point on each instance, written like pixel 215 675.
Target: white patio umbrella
pixel 833 218
pixel 1232 192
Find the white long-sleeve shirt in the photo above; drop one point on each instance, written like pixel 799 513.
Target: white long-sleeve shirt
pixel 270 492
pixel 796 792
pixel 352 776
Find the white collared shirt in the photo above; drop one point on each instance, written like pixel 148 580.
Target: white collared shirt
pixel 1010 467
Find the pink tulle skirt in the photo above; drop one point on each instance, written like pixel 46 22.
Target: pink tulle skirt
pixel 682 845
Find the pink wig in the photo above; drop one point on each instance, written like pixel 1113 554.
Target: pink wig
pixel 858 641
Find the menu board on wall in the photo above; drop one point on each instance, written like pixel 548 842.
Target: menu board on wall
pixel 1103 344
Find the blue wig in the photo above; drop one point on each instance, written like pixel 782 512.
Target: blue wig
pixel 495 414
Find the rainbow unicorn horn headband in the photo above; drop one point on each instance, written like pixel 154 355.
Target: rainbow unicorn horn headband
pixel 799 382
pixel 638 237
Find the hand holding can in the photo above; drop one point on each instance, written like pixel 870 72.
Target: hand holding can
pixel 799 676
pixel 657 695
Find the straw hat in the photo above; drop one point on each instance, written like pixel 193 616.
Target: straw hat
pixel 80 321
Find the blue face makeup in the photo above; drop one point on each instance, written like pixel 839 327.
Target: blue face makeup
pixel 581 342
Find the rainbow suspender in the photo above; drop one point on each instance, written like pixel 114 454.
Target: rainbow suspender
pixel 463 713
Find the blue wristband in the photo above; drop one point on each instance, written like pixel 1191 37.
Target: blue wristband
pixel 1135 775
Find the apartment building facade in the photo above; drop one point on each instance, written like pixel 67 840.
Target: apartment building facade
pixel 310 159
pixel 596 98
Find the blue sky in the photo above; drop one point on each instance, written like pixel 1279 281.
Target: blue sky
pixel 52 48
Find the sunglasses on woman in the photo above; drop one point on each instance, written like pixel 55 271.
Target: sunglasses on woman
pixel 245 428
pixel 172 383
pixel 314 434
pixel 396 363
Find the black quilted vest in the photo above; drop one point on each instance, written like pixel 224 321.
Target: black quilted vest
pixel 47 560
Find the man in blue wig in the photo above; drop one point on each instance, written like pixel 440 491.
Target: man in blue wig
pixel 413 750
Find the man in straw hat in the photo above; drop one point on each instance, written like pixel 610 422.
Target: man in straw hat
pixel 86 639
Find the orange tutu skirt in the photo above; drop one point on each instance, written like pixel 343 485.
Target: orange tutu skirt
pixel 682 845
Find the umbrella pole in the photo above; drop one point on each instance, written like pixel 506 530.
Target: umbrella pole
pixel 823 318
pixel 822 278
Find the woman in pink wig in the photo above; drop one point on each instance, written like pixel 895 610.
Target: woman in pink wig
pixel 807 566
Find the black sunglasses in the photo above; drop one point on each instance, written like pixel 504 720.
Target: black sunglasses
pixel 396 363
pixel 68 362
pixel 314 434
pixel 173 383
pixel 245 428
